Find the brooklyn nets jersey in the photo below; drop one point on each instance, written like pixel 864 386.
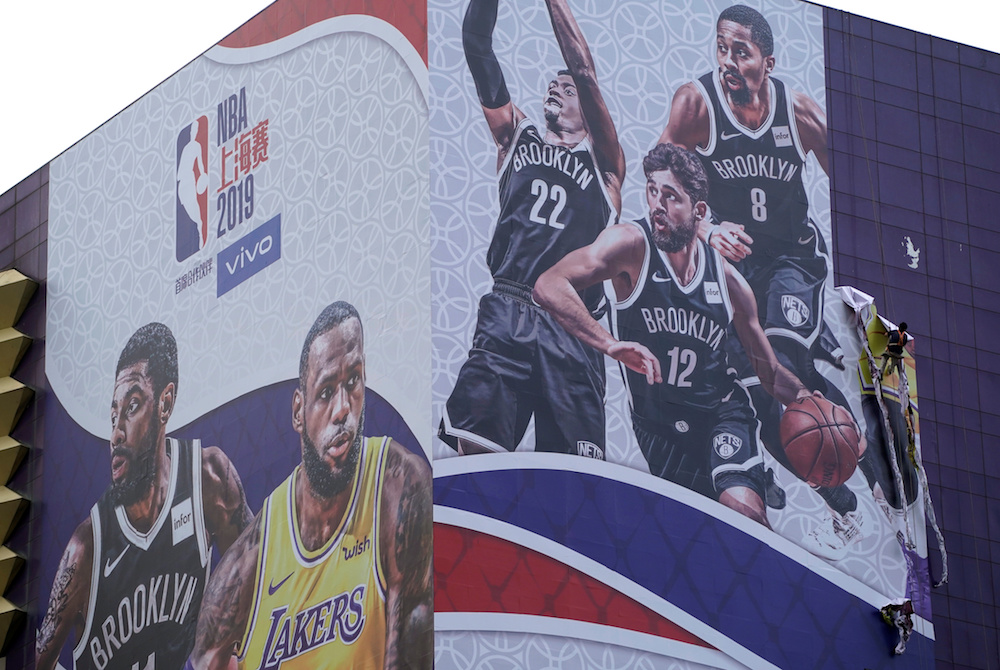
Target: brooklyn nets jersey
pixel 685 328
pixel 146 588
pixel 553 200
pixel 755 176
pixel 322 608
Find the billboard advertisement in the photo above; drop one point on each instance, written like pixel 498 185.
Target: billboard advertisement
pixel 239 271
pixel 653 446
pixel 470 333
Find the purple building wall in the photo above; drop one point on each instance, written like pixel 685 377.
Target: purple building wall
pixel 915 153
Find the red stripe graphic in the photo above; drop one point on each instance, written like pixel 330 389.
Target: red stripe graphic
pixel 476 572
pixel 281 19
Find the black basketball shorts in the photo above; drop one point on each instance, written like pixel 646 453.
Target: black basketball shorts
pixel 707 452
pixel 523 364
pixel 789 289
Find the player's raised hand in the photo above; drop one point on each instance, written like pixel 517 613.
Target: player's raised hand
pixel 731 240
pixel 637 358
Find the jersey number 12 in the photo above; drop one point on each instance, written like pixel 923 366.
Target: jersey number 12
pixel 688 359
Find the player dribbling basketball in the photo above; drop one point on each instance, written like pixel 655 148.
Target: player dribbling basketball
pixel 675 300
pixel 753 135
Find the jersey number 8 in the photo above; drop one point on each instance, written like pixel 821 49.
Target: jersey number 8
pixel 758 204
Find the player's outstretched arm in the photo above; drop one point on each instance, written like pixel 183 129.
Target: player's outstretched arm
pixel 580 62
pixel 227 603
pixel 477 39
pixel 776 379
pixel 811 124
pixel 69 599
pixel 406 535
pixel 616 254
pixel 225 503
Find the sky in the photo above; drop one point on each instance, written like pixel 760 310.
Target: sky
pixel 67 66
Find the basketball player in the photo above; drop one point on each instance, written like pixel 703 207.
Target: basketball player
pixel 560 185
pixel 753 134
pixel 336 569
pixel 676 297
pixel 130 583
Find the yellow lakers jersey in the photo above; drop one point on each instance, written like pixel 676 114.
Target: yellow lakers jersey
pixel 322 608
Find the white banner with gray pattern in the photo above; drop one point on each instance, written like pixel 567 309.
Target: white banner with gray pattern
pixel 323 139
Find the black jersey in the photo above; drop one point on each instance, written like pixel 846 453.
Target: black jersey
pixel 552 200
pixel 685 328
pixel 755 176
pixel 146 588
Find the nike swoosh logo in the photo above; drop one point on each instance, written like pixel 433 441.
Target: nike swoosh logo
pixel 729 136
pixel 271 588
pixel 807 240
pixel 110 566
pixel 657 277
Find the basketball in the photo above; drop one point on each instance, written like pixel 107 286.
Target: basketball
pixel 821 440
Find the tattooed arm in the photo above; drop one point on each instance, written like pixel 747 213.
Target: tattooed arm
pixel 225 503
pixel 227 602
pixel 406 535
pixel 69 599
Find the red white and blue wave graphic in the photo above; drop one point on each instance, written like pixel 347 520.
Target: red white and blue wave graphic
pixel 550 544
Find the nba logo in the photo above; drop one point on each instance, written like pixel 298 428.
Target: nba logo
pixel 192 188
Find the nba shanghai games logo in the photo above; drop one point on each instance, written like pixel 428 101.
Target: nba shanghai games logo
pixel 232 247
pixel 192 188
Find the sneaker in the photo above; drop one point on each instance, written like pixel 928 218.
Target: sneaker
pixel 832 538
pixel 895 519
pixel 883 504
pixel 823 540
pixel 774 495
pixel 850 527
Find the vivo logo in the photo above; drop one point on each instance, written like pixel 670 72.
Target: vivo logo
pixel 249 255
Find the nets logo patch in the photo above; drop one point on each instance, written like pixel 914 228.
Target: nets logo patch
pixel 192 188
pixel 712 293
pixel 590 450
pixel 796 312
pixel 782 136
pixel 682 426
pixel 182 520
pixel 726 444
